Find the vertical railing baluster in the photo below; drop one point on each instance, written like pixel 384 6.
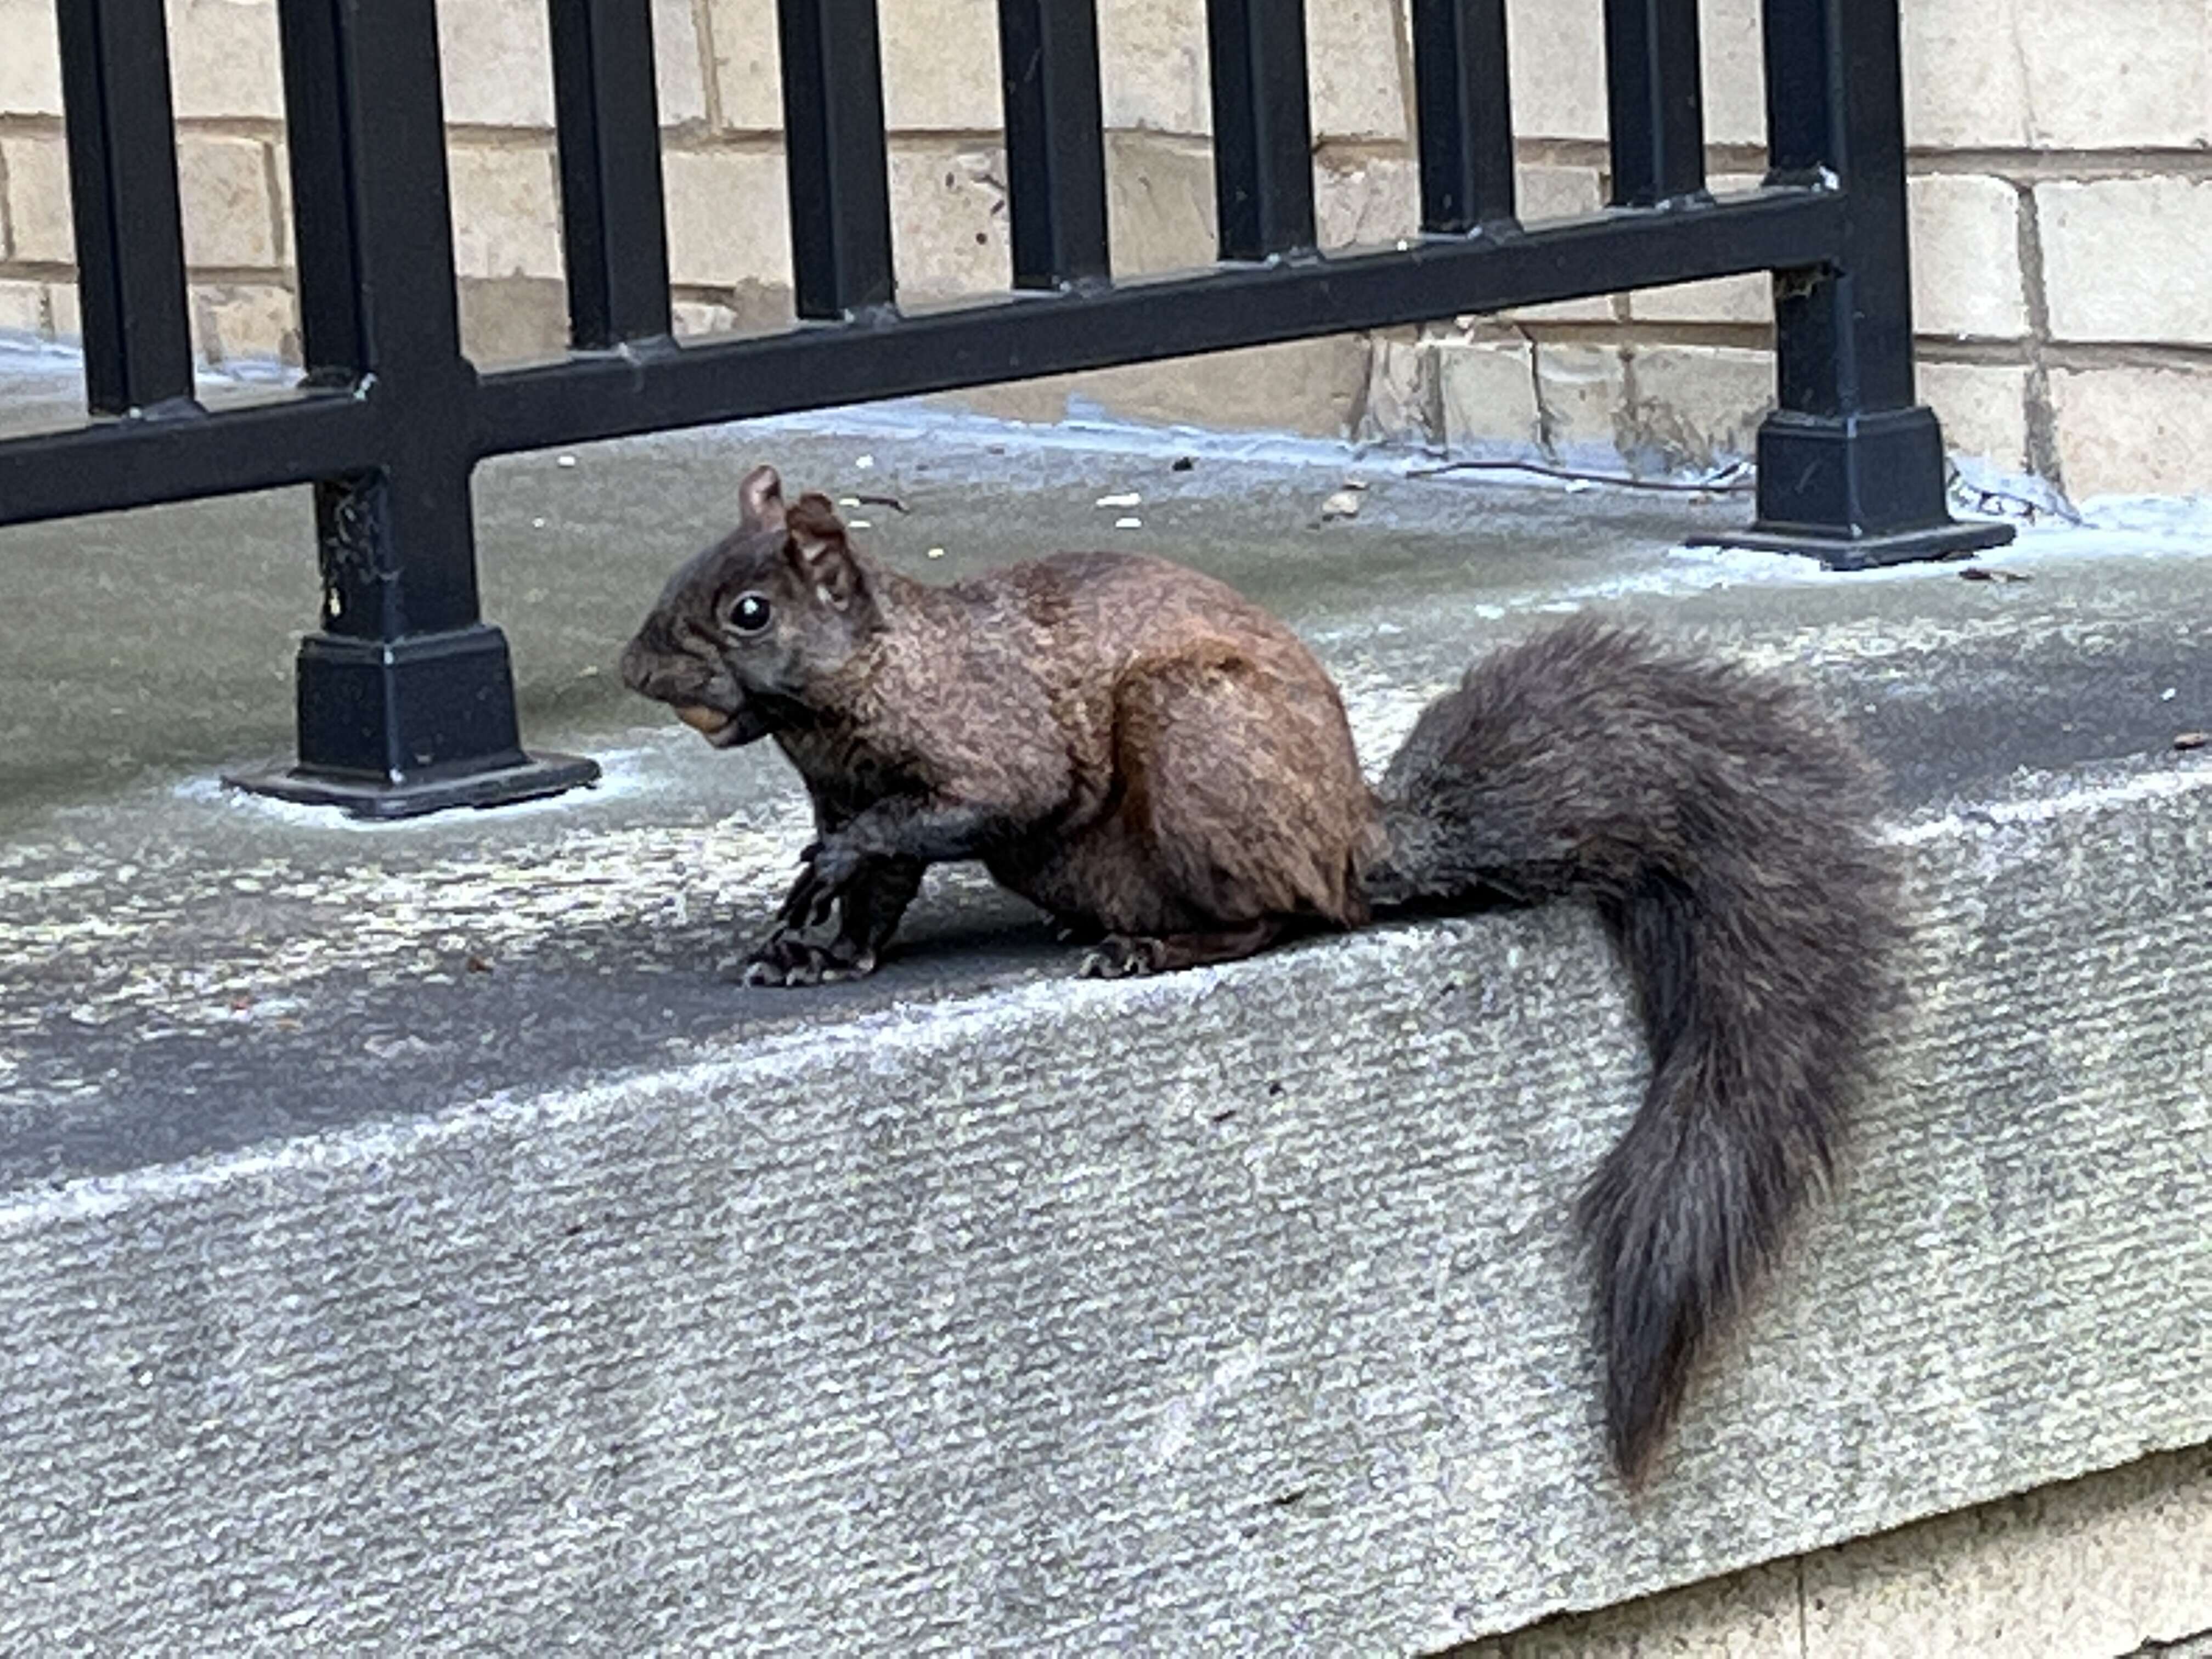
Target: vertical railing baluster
pixel 1656 100
pixel 839 170
pixel 1262 127
pixel 1055 141
pixel 1463 114
pixel 612 226
pixel 123 193
pixel 319 141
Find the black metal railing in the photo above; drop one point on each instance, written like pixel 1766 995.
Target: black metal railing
pixel 405 695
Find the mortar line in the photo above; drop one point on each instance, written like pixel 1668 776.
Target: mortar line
pixel 2040 416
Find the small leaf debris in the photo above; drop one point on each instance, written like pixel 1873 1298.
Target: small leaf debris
pixel 1121 498
pixel 1184 463
pixel 2193 739
pixel 1342 504
pixel 1990 573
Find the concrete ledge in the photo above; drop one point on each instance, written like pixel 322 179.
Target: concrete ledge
pixel 406 1244
pixel 1231 1313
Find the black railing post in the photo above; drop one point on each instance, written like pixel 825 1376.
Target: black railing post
pixel 406 698
pixel 834 161
pixel 1655 100
pixel 1263 128
pixel 1850 468
pixel 1463 113
pixel 1055 142
pixel 612 227
pixel 122 198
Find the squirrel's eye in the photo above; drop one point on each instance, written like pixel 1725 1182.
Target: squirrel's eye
pixel 750 614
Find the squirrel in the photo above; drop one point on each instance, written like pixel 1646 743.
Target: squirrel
pixel 1165 770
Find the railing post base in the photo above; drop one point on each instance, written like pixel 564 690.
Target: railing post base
pixel 394 730
pixel 1856 491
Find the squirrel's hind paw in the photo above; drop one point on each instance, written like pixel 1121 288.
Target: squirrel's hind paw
pixel 786 961
pixel 1120 956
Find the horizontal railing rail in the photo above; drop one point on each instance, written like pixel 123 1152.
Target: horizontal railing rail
pixel 406 700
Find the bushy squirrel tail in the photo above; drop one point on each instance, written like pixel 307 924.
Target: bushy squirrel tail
pixel 1721 825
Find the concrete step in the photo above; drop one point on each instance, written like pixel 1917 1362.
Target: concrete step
pixel 408 1243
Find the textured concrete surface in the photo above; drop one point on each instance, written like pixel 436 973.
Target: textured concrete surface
pixel 407 1242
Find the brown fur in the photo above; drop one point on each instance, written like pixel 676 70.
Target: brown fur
pixel 1150 757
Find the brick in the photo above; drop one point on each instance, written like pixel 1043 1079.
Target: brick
pixel 1369 201
pixel 2017 73
pixel 1693 407
pixel 1152 70
pixel 696 319
pixel 728 218
pixel 37 170
pixel 1488 393
pixel 1401 406
pixel 31 67
pixel 679 72
pixel 2140 82
pixel 1356 66
pixel 1728 41
pixel 223 60
pixel 1558 68
pixel 1159 204
pixel 506 214
pixel 949 222
pixel 941 65
pixel 245 323
pixel 1983 407
pixel 1966 256
pixel 1963 81
pixel 2132 430
pixel 497 62
pixel 736 309
pixel 746 61
pixel 1747 299
pixel 510 319
pixel 1309 386
pixel 229 218
pixel 65 317
pixel 23 308
pixel 1581 390
pixel 2128 258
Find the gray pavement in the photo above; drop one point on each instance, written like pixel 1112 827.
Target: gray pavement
pixel 422 1191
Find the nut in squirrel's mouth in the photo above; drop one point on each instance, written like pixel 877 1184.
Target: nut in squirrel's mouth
pixel 707 722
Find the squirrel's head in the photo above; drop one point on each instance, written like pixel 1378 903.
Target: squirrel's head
pixel 748 629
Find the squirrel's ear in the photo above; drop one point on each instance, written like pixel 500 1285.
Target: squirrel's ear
pixel 760 499
pixel 824 557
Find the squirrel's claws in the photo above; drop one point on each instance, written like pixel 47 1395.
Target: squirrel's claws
pixel 1121 957
pixel 786 961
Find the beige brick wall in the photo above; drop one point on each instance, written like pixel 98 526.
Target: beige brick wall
pixel 2117 1563
pixel 2062 202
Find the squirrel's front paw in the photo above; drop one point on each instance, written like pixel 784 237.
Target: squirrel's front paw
pixel 1123 957
pixel 826 869
pixel 786 960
